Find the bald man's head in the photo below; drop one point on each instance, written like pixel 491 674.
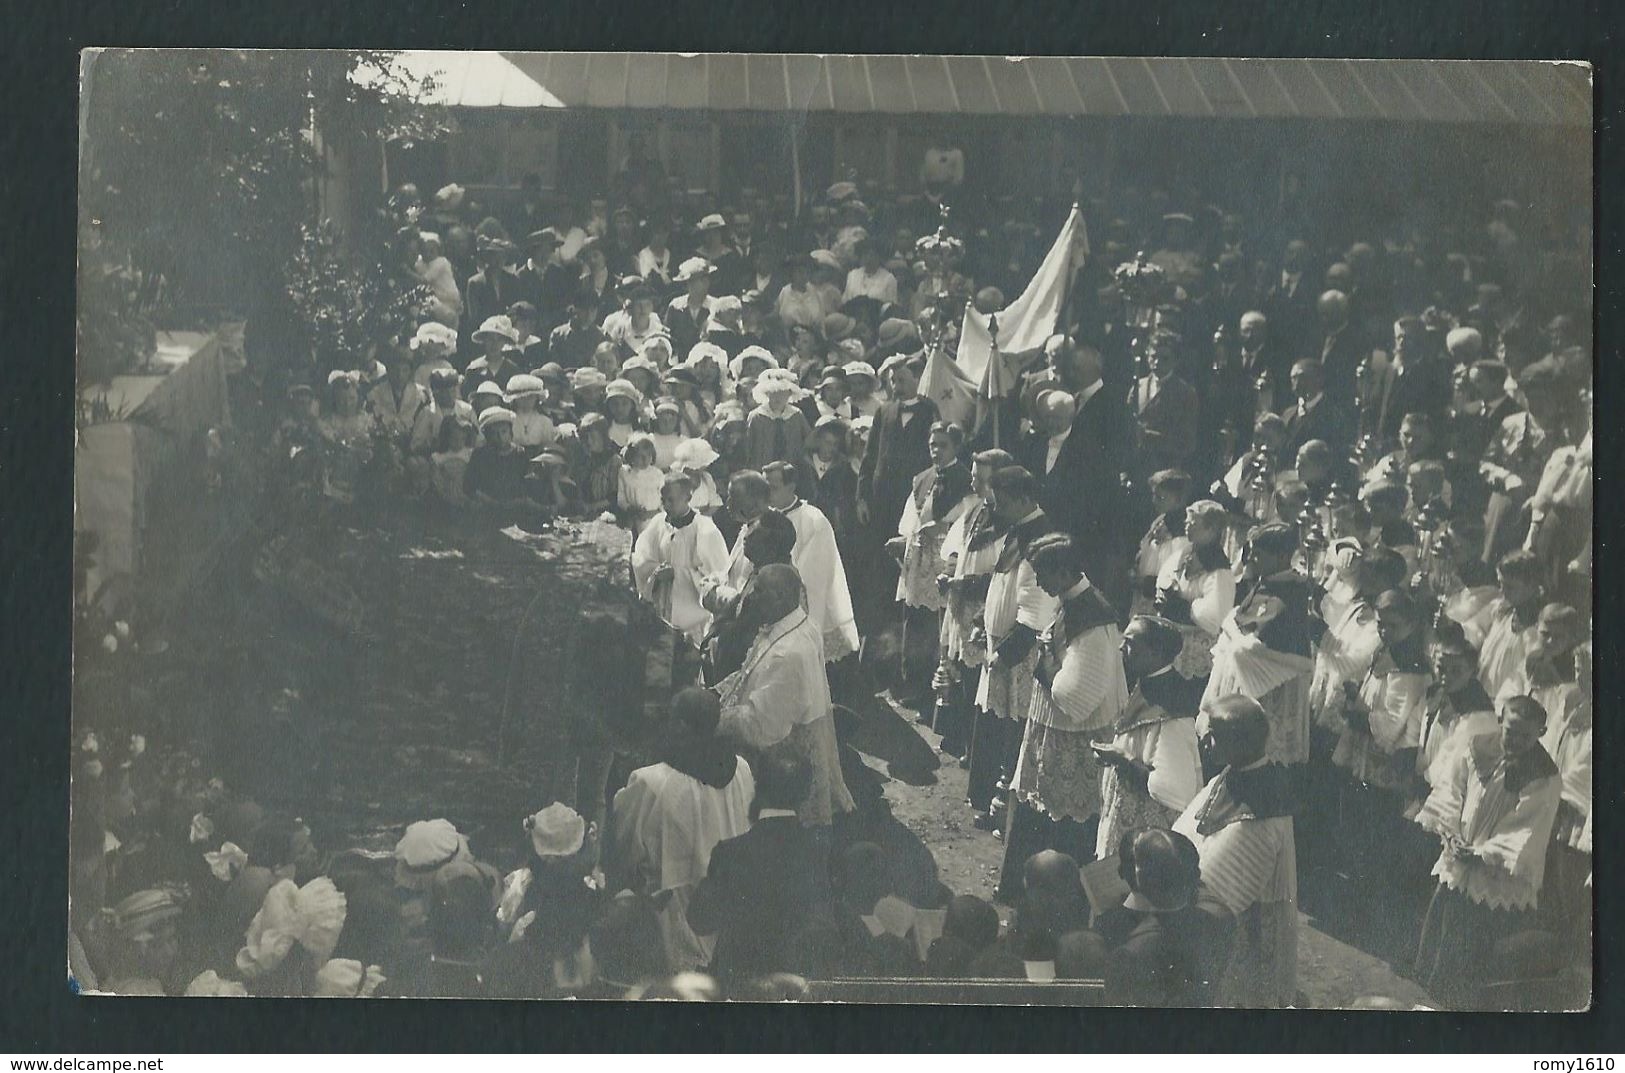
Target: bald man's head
pixel 777 591
pixel 1052 871
pixel 1234 730
pixel 1056 409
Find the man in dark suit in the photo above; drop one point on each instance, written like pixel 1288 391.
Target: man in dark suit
pixel 493 288
pixel 1231 295
pixel 1342 348
pixel 547 282
pixel 1290 302
pixel 1078 451
pixel 765 889
pixel 1167 413
pixel 1315 415
pixel 1413 382
pixel 898 447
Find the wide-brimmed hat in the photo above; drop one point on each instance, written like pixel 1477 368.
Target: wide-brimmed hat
pixel 667 404
pixel 449 196
pixel 893 362
pixel 694 266
pixel 705 349
pixel 499 326
pixel 552 372
pixel 556 831
pixel 737 366
pixel 496 415
pixel 727 305
pixel 343 376
pixel 774 382
pixel 860 368
pixel 713 222
pixel 547 236
pixel 827 260
pixel 832 375
pixel 838 326
pixel 639 364
pixel 896 330
pixel 682 374
pixel 587 377
pixel 426 847
pixel 841 191
pixel 623 389
pixel 347 978
pixel 523 384
pixel 694 454
pixel 433 334
pixel 489 387
pixel 444 378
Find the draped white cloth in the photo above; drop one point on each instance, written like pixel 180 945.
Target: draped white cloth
pixel 779 700
pixel 818 560
pixel 663 827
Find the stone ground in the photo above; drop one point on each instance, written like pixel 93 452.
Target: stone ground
pixel 1331 974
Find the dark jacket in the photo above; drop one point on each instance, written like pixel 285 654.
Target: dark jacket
pixel 488 294
pixel 895 454
pixel 835 493
pixel 1325 420
pixel 760 892
pixel 1167 423
pixel 1340 356
pixel 1166 959
pixel 1083 493
pixel 572 347
pixel 550 291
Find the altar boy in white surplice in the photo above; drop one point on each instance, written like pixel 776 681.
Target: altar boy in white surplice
pixel 677 550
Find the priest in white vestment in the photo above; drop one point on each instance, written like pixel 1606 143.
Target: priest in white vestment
pixel 817 559
pixel 1152 767
pixel 669 816
pixel 778 701
pixel 1241 825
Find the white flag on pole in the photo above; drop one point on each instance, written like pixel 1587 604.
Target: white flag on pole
pixel 1028 321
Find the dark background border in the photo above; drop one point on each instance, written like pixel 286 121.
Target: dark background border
pixel 37 178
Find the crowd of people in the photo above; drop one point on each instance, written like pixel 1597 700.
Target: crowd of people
pixel 1271 586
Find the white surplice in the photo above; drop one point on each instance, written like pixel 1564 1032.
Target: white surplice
pixel 695 552
pixel 818 560
pixel 664 825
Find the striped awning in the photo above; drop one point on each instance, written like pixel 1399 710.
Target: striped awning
pixel 1451 91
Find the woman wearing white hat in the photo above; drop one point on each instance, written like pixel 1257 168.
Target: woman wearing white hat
pixel 432 345
pixel 531 427
pixel 695 457
pixel 710 365
pixel 623 405
pixel 493 336
pixel 776 431
pixel 547 908
pixel 346 430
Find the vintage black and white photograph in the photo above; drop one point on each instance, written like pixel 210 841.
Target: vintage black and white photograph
pixel 1101 531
